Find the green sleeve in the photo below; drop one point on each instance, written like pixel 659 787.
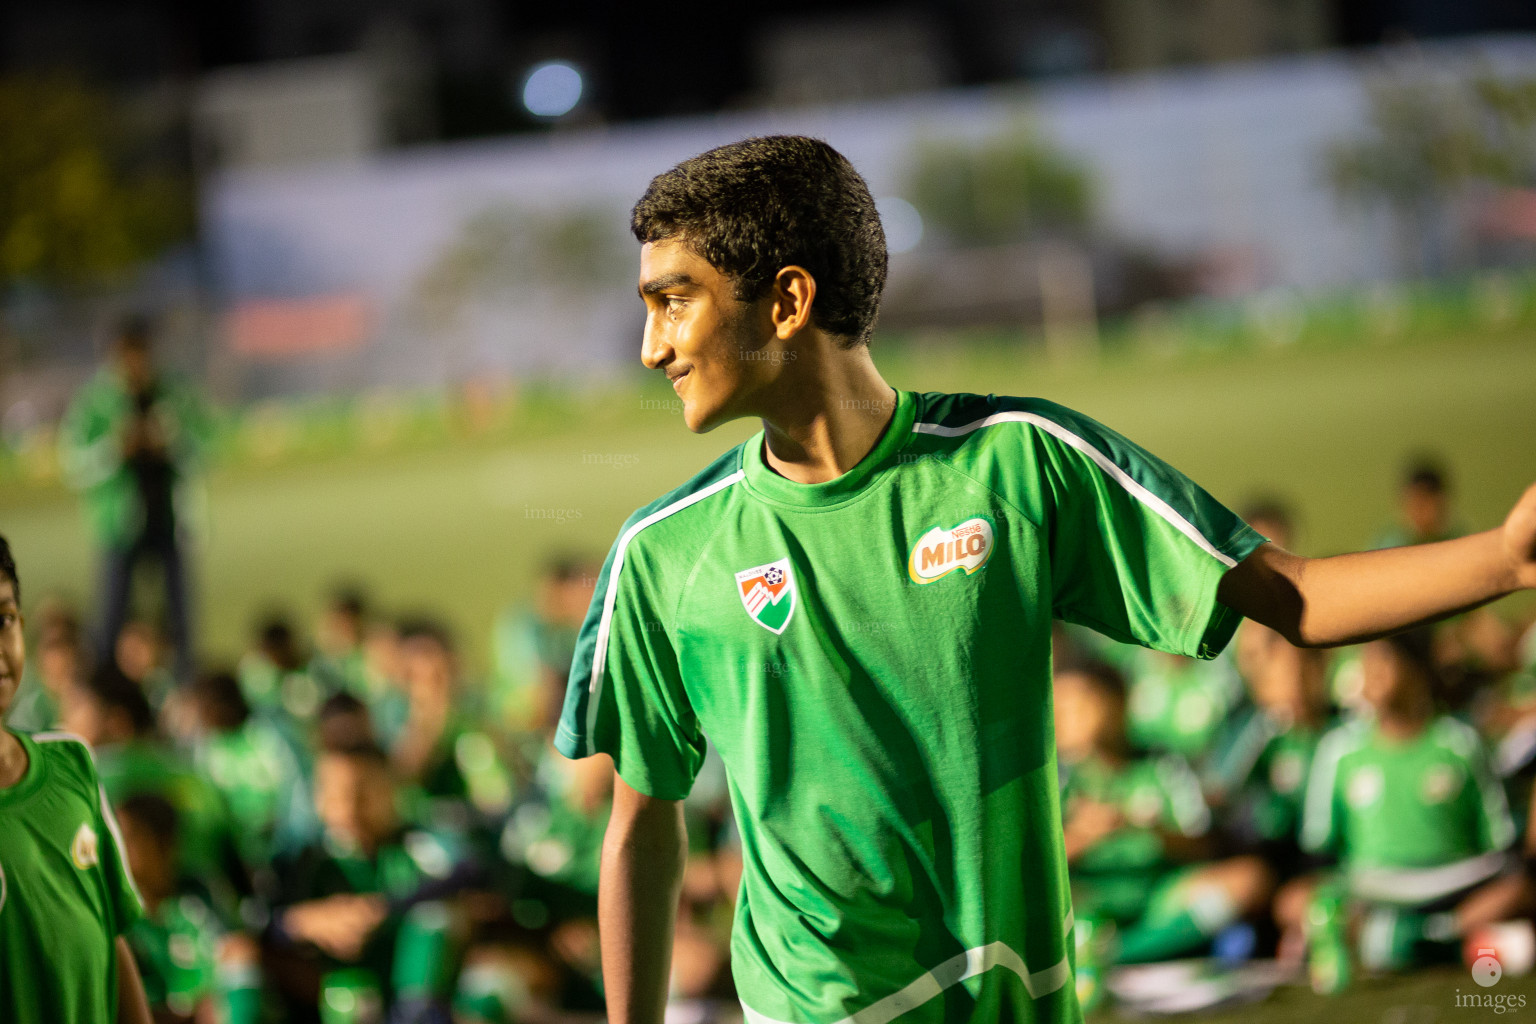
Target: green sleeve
pixel 193 427
pixel 625 696
pixel 1137 548
pixel 89 447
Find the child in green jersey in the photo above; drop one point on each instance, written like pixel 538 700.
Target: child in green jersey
pixel 448 762
pixel 371 894
pixel 1136 829
pixel 1257 777
pixel 855 607
pixel 66 898
pixel 192 964
pixel 252 762
pixel 1408 803
pixel 1178 705
pixel 111 713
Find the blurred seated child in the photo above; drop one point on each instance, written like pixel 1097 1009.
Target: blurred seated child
pixel 140 655
pixel 274 675
pixel 372 893
pixel 192 965
pixel 1178 705
pixel 1257 779
pixel 343 721
pixel 339 634
pixel 1135 829
pixel 532 647
pixel 60 662
pixel 449 762
pixel 112 715
pixel 255 766
pixel 1407 802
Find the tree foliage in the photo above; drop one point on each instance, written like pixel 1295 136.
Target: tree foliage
pixel 1431 139
pixel 1005 189
pixel 81 198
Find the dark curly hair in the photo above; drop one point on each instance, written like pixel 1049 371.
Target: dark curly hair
pixel 8 568
pixel 762 204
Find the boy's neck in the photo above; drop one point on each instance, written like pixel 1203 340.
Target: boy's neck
pixel 1402 726
pixel 827 415
pixel 1112 755
pixel 13 759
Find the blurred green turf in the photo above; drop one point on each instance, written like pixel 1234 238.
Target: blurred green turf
pixel 462 527
pixel 1424 997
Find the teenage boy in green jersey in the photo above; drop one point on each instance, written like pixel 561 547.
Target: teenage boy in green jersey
pixel 855 607
pixel 66 898
pixel 1409 803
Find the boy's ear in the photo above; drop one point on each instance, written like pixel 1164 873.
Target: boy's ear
pixel 793 294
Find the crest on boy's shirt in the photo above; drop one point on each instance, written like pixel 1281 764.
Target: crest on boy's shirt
pixel 767 592
pixel 83 851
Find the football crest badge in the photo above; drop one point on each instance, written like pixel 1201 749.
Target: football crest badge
pixel 768 594
pixel 83 850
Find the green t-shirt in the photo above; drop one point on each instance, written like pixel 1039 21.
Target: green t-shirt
pixel 1423 803
pixel 1259 775
pixel 65 891
pixel 261 778
pixel 1154 795
pixel 144 766
pixel 1179 706
pixel 176 951
pixel 871 658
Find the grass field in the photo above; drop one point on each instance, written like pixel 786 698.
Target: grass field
pixel 1425 997
pixel 460 529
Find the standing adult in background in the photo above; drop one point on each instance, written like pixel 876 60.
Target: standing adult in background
pixel 131 441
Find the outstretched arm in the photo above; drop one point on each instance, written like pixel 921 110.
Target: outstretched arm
pixel 642 873
pixel 1324 602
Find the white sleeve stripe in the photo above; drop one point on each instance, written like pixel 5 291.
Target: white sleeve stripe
pixel 117 839
pixel 59 736
pixel 1104 462
pixel 1317 810
pixel 610 598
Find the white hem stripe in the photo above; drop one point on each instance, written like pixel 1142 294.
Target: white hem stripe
pixel 610 598
pixel 952 972
pixel 1120 476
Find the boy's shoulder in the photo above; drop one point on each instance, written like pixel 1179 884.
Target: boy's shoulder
pixel 1452 734
pixel 1350 736
pixel 65 752
pixel 719 475
pixel 947 411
